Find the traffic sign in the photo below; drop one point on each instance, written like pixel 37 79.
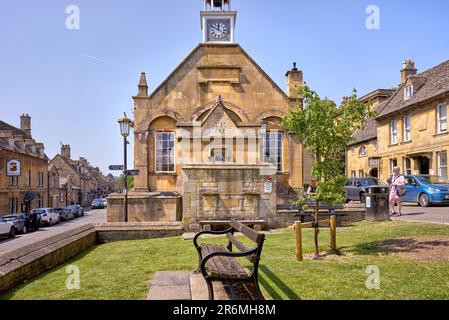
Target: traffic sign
pixel 132 172
pixel 116 168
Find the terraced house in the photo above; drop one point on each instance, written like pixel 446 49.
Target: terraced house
pixel 23 169
pixel 74 181
pixel 410 129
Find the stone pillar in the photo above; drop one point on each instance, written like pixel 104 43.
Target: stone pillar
pixel 297 165
pixel 141 162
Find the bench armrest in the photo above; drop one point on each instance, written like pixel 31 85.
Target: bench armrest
pixel 198 235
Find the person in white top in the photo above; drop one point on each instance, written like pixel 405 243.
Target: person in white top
pixel 397 182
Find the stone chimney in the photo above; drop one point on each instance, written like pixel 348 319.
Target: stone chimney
pixel 25 125
pixel 408 69
pixel 65 151
pixel 40 149
pixel 294 81
pixel 143 86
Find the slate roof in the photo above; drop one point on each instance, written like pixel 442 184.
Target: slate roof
pixel 369 131
pixel 7 127
pixel 426 85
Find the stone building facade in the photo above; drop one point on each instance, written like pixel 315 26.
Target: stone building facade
pixel 23 169
pixel 75 181
pixel 411 126
pixel 208 141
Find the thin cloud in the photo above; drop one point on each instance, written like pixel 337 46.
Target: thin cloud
pixel 106 62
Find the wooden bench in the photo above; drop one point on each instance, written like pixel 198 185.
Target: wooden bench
pixel 207 225
pixel 220 263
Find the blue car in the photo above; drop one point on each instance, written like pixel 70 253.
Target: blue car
pixel 426 190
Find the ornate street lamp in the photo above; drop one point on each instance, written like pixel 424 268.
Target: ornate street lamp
pixel 125 128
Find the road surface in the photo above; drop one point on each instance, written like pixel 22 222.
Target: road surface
pixel 92 216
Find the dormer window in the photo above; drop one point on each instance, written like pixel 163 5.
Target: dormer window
pixel 408 92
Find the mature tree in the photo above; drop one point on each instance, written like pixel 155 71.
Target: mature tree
pixel 130 181
pixel 325 129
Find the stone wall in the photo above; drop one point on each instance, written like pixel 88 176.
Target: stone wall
pixel 225 192
pixel 30 261
pixel 145 207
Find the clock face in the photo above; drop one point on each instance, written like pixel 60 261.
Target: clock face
pixel 219 30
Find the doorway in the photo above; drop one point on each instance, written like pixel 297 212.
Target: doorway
pixel 424 165
pixel 374 173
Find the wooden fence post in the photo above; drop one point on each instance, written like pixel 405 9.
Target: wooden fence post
pixel 298 232
pixel 333 230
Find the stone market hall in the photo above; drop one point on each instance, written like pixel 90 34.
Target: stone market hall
pixel 208 141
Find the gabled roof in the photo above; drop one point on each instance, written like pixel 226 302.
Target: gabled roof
pixel 201 46
pixel 427 85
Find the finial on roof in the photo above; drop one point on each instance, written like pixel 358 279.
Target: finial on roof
pixel 294 67
pixel 143 86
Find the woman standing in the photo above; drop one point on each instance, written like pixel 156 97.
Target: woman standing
pixel 397 183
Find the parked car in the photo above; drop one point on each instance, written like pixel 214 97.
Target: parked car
pixel 355 188
pixel 76 209
pixel 21 222
pixel 97 204
pixel 7 229
pixel 426 190
pixel 48 216
pixel 67 214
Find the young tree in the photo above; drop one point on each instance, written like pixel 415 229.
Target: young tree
pixel 325 130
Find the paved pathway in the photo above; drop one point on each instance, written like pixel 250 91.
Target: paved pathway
pixel 183 285
pixel 438 214
pixel 93 216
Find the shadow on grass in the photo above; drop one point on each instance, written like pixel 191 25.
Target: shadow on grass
pixel 392 246
pixel 282 286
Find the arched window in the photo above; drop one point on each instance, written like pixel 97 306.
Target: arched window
pixel 362 151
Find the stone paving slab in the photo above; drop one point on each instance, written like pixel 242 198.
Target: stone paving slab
pixel 183 285
pixel 170 285
pixel 199 291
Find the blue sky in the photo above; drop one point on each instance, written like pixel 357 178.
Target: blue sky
pixel 76 83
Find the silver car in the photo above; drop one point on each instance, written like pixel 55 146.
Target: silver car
pixel 355 188
pixel 7 229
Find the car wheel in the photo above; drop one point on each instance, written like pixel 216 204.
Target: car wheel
pixel 24 230
pixel 12 233
pixel 362 198
pixel 423 200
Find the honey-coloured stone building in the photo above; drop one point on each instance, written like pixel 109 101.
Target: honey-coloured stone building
pixel 208 141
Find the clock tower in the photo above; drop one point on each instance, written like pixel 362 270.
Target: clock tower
pixel 218 22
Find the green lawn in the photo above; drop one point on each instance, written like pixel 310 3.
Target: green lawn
pixel 123 270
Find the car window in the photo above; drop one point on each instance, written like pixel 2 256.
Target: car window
pixel 410 181
pixel 38 211
pixel 433 180
pixel 348 183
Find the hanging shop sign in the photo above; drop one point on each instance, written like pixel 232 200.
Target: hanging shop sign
pixel 13 168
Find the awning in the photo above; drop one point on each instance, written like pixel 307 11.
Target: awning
pixel 426 154
pixel 29 195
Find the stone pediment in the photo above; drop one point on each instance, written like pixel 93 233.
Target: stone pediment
pixel 219 123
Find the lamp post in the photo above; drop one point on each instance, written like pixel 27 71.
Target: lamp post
pixel 125 127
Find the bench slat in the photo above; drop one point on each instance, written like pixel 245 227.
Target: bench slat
pixel 247 231
pixel 252 258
